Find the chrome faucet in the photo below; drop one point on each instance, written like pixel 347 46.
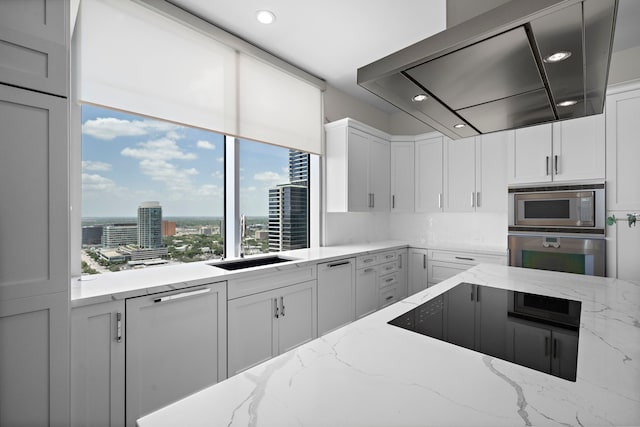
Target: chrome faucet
pixel 243 233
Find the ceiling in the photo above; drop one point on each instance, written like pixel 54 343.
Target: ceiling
pixel 333 38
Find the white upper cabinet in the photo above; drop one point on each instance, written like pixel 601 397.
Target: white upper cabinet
pixel 623 151
pixel 357 171
pixel 429 162
pixel 579 149
pixel 476 173
pixel 491 171
pixel 402 176
pixel 33 45
pixel 530 155
pixel 461 175
pixel 564 151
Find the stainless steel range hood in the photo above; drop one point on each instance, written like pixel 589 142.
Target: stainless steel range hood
pixel 493 72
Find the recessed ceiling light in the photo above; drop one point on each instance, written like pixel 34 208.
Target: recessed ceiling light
pixel 557 57
pixel 459 126
pixel 568 103
pixel 419 98
pixel 265 16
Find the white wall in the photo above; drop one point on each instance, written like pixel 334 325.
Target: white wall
pixel 625 65
pixel 339 105
pixel 345 228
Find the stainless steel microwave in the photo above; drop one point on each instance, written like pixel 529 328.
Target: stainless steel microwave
pixel 571 209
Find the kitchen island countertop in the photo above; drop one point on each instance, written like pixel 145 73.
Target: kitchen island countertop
pixel 369 373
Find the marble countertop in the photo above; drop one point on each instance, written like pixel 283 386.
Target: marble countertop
pixel 99 288
pixel 369 373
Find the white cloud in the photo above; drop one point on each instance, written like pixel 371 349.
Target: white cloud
pixel 209 190
pixel 91 165
pixel 108 128
pixel 270 177
pixel 97 183
pixel 206 145
pixel 159 149
pixel 220 159
pixel 217 174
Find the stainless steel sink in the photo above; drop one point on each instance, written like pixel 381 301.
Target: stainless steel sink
pixel 238 264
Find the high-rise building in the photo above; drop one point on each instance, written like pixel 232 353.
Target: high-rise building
pixel 289 207
pixel 298 167
pixel 168 228
pixel 149 225
pixel 92 235
pixel 117 235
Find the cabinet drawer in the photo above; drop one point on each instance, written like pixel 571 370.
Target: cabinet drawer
pixel 366 261
pixel 388 268
pixel 389 295
pixel 387 256
pixel 466 257
pixel 388 280
pixel 439 271
pixel 267 280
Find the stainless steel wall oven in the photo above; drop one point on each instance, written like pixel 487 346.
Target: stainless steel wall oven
pixel 558 228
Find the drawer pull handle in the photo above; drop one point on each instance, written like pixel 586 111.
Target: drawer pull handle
pixel 368 260
pixel 275 302
pixel 390 279
pixel 389 297
pixel 182 295
pixel 465 258
pixel 282 304
pixel 338 264
pixel 369 270
pixel 389 256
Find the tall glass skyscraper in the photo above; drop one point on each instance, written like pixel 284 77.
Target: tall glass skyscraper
pixel 150 225
pixel 289 207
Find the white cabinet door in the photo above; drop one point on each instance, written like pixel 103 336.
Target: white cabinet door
pixel 379 174
pixel 297 321
pixel 252 338
pixel 175 346
pixel 402 176
pixel 98 364
pixel 460 175
pixel 418 277
pixel 265 324
pixel 366 291
pixel 491 171
pixel 428 170
pixel 529 346
pixel 336 294
pixel 34 361
pixel 33 207
pixel 623 152
pixel 564 350
pixel 33 49
pixel 579 149
pixel 403 272
pixel 358 171
pixel 530 155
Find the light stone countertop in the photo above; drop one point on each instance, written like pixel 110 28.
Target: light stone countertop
pixel 93 289
pixel 369 373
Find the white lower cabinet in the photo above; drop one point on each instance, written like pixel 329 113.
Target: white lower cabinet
pixel 336 294
pixel 269 323
pixel 443 264
pixel 417 270
pixel 366 291
pixel 176 345
pixel 98 364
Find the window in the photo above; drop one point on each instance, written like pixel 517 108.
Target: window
pixel 274 197
pixel 152 192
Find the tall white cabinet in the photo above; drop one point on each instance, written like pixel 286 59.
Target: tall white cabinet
pixel 34 203
pixel 623 181
pixel 429 168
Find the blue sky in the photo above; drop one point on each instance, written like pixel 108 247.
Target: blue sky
pixel 128 159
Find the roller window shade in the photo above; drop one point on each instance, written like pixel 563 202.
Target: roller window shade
pixel 137 60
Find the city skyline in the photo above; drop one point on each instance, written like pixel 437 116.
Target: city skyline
pixel 128 158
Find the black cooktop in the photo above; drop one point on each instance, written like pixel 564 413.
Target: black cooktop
pixel 536 331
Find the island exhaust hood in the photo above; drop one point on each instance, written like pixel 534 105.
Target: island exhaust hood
pixel 523 63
